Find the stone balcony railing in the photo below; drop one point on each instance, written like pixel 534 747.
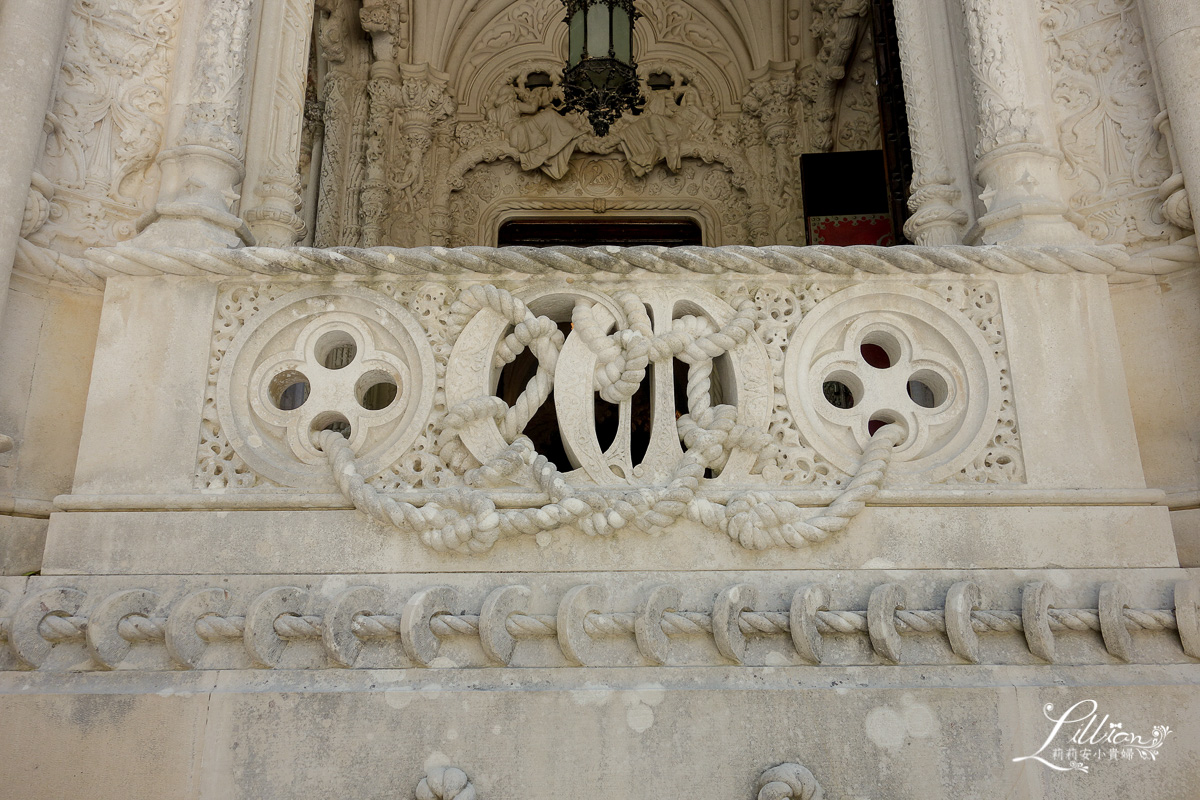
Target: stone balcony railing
pixel 763 397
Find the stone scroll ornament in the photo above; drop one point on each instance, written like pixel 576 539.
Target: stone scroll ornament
pixel 481 436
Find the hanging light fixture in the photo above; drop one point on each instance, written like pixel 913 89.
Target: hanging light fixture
pixel 600 80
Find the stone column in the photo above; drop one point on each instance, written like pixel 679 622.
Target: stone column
pixel 271 193
pixel 1016 155
pixel 204 164
pixel 31 37
pixel 1173 38
pixel 938 213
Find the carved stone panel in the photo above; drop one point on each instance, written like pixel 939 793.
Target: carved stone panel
pixel 309 361
pixel 107 121
pixel 1105 106
pixel 760 353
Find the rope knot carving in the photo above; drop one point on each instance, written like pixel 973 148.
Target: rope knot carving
pixel 788 782
pixel 445 783
pixel 466 520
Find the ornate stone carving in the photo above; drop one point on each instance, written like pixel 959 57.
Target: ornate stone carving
pixel 931 373
pixel 965 430
pixel 106 124
pixel 204 165
pixel 1103 92
pixel 406 109
pixel 289 373
pixel 493 192
pixel 276 626
pixel 409 192
pixel 997 77
pixel 213 114
pixel 345 106
pixel 1018 169
pixel 844 66
pixel 788 782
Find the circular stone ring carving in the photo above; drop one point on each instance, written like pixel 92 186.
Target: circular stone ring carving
pixel 325 357
pixel 870 355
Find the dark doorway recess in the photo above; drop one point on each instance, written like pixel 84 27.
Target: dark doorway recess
pixel 893 114
pixel 591 232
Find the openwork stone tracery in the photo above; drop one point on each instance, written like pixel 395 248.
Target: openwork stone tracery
pixel 757 357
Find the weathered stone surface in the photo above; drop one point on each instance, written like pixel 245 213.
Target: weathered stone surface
pixel 328 497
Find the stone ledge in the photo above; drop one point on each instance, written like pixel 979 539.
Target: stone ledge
pixel 239 542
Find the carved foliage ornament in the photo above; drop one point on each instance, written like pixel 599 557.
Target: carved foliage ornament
pixel 1105 103
pixel 106 123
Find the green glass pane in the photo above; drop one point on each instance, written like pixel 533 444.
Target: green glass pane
pixel 622 35
pixel 597 31
pixel 575 49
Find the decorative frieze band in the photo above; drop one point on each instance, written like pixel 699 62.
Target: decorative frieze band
pixel 361 615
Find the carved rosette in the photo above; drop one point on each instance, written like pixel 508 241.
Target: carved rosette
pixel 310 361
pixel 904 358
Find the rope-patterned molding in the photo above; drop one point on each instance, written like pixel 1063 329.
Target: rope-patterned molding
pixel 786 781
pixel 421 262
pixel 358 616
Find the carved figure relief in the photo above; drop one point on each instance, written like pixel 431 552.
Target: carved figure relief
pixel 500 105
pixel 106 124
pixel 838 89
pixel 1105 103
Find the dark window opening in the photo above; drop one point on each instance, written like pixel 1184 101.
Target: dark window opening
pixel 542 429
pixel 587 232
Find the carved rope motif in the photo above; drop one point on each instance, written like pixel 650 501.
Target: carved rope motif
pixel 194 627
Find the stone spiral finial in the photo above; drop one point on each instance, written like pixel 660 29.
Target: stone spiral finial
pixel 445 783
pixel 788 782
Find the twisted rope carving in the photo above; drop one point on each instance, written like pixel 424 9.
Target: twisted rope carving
pixel 100 264
pixel 469 521
pixel 57 627
pixel 137 628
pixel 596 625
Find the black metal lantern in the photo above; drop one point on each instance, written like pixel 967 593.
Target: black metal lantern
pixel 600 80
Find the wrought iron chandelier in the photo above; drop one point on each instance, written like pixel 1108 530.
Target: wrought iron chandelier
pixel 600 80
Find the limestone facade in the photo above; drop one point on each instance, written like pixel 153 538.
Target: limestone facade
pixel 307 488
